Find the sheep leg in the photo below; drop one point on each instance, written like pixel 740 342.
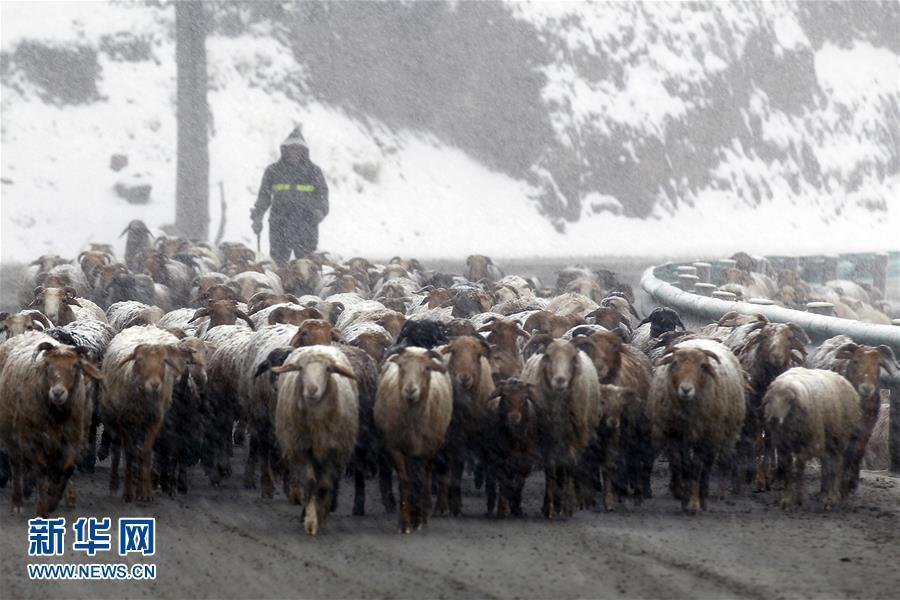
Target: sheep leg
pixel 114 468
pixel 403 480
pixel 567 490
pixel 359 489
pixel 790 475
pixel 443 484
pixel 516 501
pixel 250 465
pixel 676 483
pixel 146 462
pixel 313 504
pixel 130 458
pixel 266 477
pixel 456 470
pixel 386 483
pixel 692 470
pixel 549 486
pixel 4 469
pixel 830 478
pixel 181 481
pixel 105 443
pixel 608 500
pixel 490 489
pixel 15 469
pixel 706 470
pixel 334 494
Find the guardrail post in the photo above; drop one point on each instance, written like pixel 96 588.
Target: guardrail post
pixel 880 272
pixel 704 271
pixel 894 433
pixel 829 268
pixel 820 308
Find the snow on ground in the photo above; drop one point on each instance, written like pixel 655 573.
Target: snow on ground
pixel 392 192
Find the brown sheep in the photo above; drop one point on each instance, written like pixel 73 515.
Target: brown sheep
pixel 503 336
pixel 544 321
pixel 511 445
pixel 813 413
pixel 623 365
pixel 469 367
pixel 413 408
pixel 862 366
pixel 482 268
pixel 696 409
pixel 765 351
pixel 221 312
pixel 44 413
pixel 139 375
pixel 566 393
pixel 261 300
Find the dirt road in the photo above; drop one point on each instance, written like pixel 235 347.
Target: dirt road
pixel 228 543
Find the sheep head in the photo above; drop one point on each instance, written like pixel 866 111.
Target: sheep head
pixel 61 366
pixel 689 369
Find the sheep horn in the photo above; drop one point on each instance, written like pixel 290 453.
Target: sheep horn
pixel 712 356
pixel 286 368
pixel 41 318
pixel 246 318
pixel 342 371
pixel 800 333
pixel 200 312
pixel 41 348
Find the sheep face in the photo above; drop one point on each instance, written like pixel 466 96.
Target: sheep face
pixel 19 323
pixel 477 267
pixel 372 344
pixel 662 320
pixel 514 402
pixel 559 365
pixel 689 370
pixel 606 354
pixel 54 302
pixel 864 364
pixel 293 316
pixel 150 362
pixel 464 365
pixel 314 378
pixel 315 332
pixel 415 373
pixel 503 333
pixel 61 367
pixel 778 343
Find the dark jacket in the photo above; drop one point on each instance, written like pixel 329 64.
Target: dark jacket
pixel 295 192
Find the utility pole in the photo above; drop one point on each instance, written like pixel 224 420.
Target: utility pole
pixel 192 171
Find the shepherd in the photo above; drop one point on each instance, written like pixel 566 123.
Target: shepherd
pixel 296 190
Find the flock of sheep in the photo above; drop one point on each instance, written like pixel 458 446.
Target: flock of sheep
pixel 327 367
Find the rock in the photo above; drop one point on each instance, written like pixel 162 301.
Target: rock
pixel 134 193
pixel 117 162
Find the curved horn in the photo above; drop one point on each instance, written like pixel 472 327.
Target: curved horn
pixel 41 318
pixel 199 313
pixel 246 318
pixel 41 348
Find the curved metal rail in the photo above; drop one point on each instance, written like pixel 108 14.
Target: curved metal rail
pixel 818 327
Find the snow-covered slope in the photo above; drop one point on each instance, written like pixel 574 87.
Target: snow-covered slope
pixel 397 190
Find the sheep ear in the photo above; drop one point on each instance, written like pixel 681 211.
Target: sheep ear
pixel 337 336
pixel 667 358
pixel 485 328
pixel 43 346
pixel 130 357
pixel 493 404
pixel 3 316
pixel 285 368
pixel 90 370
pixel 180 369
pixel 434 365
pixel 38 290
pixel 342 371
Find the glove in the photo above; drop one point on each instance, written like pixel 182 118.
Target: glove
pixel 257 225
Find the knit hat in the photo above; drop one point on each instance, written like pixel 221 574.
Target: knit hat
pixel 295 139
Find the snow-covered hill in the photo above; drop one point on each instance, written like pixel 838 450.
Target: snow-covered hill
pixel 631 91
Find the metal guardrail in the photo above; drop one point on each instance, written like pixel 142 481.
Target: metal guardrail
pixel 818 327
